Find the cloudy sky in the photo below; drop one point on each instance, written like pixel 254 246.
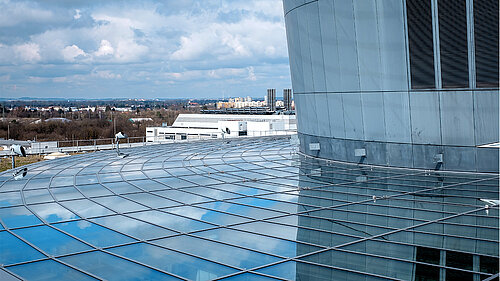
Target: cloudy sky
pixel 144 49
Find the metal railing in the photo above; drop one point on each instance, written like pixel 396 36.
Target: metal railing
pixel 73 146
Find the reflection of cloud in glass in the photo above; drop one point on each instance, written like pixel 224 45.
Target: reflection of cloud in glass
pixel 191 212
pixel 252 241
pixel 52 212
pixel 9 199
pixel 83 224
pixel 132 227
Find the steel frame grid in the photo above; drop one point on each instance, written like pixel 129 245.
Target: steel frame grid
pixel 245 150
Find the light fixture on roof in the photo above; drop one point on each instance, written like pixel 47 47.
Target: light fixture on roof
pixel 21 173
pixel 118 137
pixel 225 131
pixel 18 150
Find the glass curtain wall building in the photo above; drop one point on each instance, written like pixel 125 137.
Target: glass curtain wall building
pixel 397 82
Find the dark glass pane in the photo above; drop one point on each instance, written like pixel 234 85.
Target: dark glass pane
pixel 488 264
pixel 459 260
pixel 486 42
pixel 426 273
pixel 453 275
pixel 420 43
pixel 428 255
pixel 453 43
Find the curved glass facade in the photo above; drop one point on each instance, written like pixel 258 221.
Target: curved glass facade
pixel 403 80
pixel 246 209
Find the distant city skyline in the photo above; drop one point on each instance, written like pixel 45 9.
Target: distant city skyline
pixel 126 49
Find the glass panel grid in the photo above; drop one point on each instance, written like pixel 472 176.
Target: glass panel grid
pixel 286 216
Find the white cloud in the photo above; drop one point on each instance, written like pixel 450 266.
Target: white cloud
pixel 106 74
pixel 104 49
pixel 29 52
pixel 200 46
pixel 77 14
pixel 219 73
pixel 251 74
pixel 72 53
pixel 234 40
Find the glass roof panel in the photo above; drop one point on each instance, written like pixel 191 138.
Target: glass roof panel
pixel 174 222
pixel 205 210
pixel 218 252
pixel 173 262
pixel 256 242
pixel 48 270
pixel 109 267
pixel 12 198
pixel 18 217
pixel 51 241
pixel 53 212
pixel 132 227
pixel 14 250
pixel 93 233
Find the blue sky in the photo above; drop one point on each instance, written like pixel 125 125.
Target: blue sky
pixel 143 49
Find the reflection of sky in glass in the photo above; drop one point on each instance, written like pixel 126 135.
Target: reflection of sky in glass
pixel 52 212
pixel 113 268
pixel 51 241
pixel 179 264
pixel 93 233
pixel 48 270
pixel 213 209
pixel 11 247
pixel 18 217
pixel 217 252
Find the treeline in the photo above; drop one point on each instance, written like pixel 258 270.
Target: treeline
pixel 83 126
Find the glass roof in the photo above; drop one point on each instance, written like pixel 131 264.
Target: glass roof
pixel 246 209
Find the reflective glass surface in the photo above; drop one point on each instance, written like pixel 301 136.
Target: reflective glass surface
pixel 247 209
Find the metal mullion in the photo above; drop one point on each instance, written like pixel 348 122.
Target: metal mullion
pixel 86 218
pixel 48 257
pixel 441 172
pixel 397 199
pixel 196 235
pixel 145 265
pixel 222 212
pixel 253 270
pixel 152 243
pixel 47 223
pixel 407 261
pixel 72 236
pixel 378 240
pixel 211 187
pixel 397 195
pixel 399 217
pixel 12 274
pixel 150 208
pixel 360 240
pixel 391 228
pixel 326 208
pixel 236 246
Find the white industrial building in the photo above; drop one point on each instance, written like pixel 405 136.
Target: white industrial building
pixel 201 126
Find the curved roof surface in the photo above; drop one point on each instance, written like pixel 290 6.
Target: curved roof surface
pixel 246 209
